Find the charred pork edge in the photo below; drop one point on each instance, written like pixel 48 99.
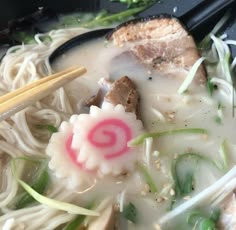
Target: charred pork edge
pixel 145 19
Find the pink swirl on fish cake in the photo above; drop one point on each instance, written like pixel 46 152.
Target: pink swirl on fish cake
pixel 110 136
pixel 95 144
pixel 73 154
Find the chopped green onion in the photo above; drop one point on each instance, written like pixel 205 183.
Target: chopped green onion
pixel 148 178
pixel 25 37
pixel 223 154
pixel 210 86
pixel 77 221
pixel 60 205
pixel 188 80
pixel 140 139
pixel 75 224
pixel 219 116
pixel 193 217
pixel 46 38
pixel 199 221
pixel 188 183
pixel 40 184
pixel 130 213
pixel 215 214
pixel 49 127
pixel 101 14
pixel 114 17
pixel 70 208
pixel 183 185
pixel 224 57
pixel 218 120
pixel 206 42
pixel 135 3
pixel 207 224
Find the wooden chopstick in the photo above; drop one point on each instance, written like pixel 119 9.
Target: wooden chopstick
pixel 34 84
pixel 19 99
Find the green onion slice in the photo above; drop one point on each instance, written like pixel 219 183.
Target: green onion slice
pixel 70 208
pixel 140 139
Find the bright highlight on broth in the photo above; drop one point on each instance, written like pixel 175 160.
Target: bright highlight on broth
pixel 145 140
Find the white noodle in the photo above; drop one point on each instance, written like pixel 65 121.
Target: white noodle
pixel 9 224
pixel 19 136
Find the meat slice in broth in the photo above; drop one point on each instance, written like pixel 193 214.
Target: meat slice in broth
pixel 123 91
pixel 161 43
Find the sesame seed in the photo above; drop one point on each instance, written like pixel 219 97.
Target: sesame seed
pixel 158 164
pixel 187 198
pixel 172 192
pixel 205 137
pixel 157 227
pixel 116 207
pixel 146 188
pixel 143 193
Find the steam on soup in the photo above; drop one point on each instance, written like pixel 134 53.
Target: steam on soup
pixel 145 140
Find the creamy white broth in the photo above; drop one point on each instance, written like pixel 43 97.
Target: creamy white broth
pixel 158 94
pixel 161 109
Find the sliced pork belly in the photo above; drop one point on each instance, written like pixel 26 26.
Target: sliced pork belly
pixel 161 43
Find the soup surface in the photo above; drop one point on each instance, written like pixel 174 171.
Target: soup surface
pixel 161 109
pixel 180 171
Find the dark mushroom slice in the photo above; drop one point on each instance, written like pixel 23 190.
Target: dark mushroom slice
pixel 122 91
pixel 160 42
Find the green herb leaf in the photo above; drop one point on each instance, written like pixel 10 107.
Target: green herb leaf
pixel 49 127
pixel 130 213
pixel 148 178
